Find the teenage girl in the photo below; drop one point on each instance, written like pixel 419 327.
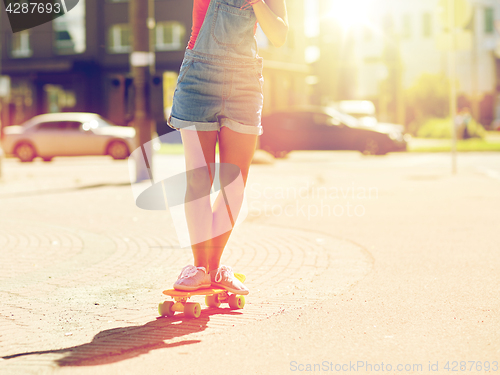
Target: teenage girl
pixel 219 97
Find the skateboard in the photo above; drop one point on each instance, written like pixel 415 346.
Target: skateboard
pixel 213 298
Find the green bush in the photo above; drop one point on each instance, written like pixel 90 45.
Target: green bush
pixel 441 128
pixel 476 130
pixel 429 96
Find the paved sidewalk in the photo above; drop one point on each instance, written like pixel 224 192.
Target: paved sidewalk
pixel 348 258
pixel 84 268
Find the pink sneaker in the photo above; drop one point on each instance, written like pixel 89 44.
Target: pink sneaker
pixel 192 278
pixel 223 277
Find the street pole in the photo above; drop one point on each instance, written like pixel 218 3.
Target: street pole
pixel 140 61
pixel 453 87
pixel 475 65
pixel 152 30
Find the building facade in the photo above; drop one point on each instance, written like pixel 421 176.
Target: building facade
pixel 80 61
pixel 416 34
pixel 75 62
pixel 285 68
pixel 377 49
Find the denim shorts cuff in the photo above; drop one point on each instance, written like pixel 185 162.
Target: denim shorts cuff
pixel 240 128
pixel 192 125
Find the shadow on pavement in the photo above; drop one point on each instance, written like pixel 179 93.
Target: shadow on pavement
pixel 118 344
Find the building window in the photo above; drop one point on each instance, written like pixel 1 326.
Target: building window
pixel 57 98
pixel 406 29
pixel 489 26
pixel 427 25
pixel 70 31
pixel 120 39
pixel 21 44
pixel 169 36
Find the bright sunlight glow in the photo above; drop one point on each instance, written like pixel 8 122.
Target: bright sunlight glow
pixel 350 14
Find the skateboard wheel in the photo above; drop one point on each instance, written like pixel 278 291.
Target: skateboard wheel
pixel 165 308
pixel 212 301
pixel 236 302
pixel 192 309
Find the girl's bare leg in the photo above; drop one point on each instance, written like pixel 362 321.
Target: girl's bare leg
pixel 199 150
pixel 237 149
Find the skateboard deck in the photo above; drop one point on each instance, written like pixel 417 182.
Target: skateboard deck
pixel 213 298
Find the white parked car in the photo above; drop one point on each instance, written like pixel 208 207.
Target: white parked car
pixel 364 111
pixel 68 134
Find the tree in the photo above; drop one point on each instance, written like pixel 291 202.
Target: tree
pixel 427 98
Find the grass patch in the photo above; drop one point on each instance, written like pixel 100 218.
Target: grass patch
pixel 463 145
pixel 441 128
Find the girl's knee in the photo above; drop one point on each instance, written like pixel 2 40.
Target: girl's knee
pixel 199 182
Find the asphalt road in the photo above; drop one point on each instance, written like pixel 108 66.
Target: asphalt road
pixel 355 264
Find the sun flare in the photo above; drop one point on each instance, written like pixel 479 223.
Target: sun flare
pixel 350 14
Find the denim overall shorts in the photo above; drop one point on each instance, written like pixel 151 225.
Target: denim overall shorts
pixel 220 80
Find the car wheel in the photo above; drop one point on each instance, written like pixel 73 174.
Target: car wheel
pixel 25 152
pixel 370 147
pixel 118 150
pixel 47 159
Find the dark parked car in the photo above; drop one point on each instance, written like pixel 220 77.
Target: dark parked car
pixel 325 128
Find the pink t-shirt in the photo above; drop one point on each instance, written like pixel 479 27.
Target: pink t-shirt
pixel 199 11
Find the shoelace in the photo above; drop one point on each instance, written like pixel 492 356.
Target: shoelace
pixel 224 271
pixel 249 4
pixel 189 271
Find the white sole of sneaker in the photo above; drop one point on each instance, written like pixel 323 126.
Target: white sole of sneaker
pixel 234 291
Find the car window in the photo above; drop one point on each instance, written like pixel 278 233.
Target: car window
pixel 343 118
pixel 60 125
pixel 52 125
pixel 321 119
pixel 73 125
pixel 294 121
pixel 329 121
pixel 302 120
